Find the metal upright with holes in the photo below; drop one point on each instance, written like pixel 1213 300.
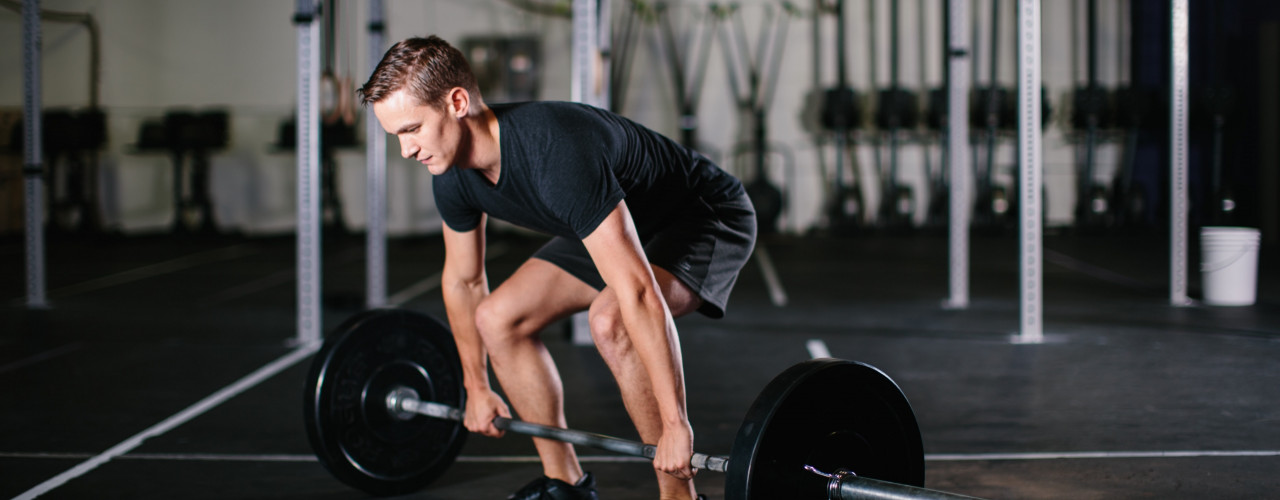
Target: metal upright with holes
pixel 1178 83
pixel 1030 171
pixel 590 85
pixel 308 151
pixel 375 178
pixel 958 67
pixel 32 149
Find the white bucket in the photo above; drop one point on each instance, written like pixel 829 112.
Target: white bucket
pixel 1229 265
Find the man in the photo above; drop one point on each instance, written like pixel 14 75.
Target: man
pixel 644 231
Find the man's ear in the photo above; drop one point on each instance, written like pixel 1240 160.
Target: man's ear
pixel 459 101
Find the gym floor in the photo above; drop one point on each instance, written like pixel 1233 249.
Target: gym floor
pixel 163 368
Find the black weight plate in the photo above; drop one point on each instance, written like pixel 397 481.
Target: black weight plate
pixel 350 429
pixel 830 414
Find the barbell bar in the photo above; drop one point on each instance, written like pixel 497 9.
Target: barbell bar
pixel 828 428
pixel 842 484
pixel 403 402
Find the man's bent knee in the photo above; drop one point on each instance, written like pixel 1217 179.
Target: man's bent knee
pixel 499 325
pixel 607 329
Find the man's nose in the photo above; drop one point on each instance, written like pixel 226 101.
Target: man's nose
pixel 407 149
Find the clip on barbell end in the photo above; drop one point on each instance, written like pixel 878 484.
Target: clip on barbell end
pixel 833 479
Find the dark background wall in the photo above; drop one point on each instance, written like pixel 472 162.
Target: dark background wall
pixel 1228 61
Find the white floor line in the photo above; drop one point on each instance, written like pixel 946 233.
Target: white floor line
pixel 144 272
pixel 431 282
pixel 44 356
pixel 204 405
pixel 817 349
pixel 777 294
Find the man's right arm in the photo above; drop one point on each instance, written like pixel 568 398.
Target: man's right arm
pixel 464 284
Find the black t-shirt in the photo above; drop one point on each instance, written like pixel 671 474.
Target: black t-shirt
pixel 565 166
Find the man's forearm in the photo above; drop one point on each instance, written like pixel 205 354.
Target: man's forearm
pixel 461 300
pixel 653 333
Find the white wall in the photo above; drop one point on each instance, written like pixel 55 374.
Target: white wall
pixel 240 54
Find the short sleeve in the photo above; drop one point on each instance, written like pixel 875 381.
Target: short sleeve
pixel 581 189
pixel 453 203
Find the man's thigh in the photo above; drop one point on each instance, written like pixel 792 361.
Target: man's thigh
pixel 681 299
pixel 704 254
pixel 539 293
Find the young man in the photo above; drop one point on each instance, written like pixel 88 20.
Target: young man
pixel 644 231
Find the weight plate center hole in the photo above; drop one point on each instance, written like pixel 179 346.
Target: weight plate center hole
pixel 395 402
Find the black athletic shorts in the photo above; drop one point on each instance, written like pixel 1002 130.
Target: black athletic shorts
pixel 704 253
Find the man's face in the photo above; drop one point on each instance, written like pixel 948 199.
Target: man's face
pixel 429 134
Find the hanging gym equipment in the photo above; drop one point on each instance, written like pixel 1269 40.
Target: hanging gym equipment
pixel 337 117
pixel 1216 104
pixel 761 81
pixel 896 110
pixel 1093 108
pixel 935 123
pixel 840 114
pixel 687 74
pixel 1135 113
pixel 993 205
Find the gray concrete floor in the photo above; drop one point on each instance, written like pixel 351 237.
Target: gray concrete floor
pixel 1129 398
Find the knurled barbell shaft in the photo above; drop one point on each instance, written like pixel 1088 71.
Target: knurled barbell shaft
pixel 865 488
pixel 845 485
pixel 399 401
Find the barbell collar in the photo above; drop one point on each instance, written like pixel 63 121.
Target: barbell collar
pixel 403 401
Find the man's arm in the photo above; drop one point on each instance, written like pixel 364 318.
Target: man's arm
pixel 464 284
pixel 615 248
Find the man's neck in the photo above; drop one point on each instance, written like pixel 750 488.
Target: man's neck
pixel 486 152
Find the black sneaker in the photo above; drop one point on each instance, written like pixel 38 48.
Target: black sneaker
pixel 545 488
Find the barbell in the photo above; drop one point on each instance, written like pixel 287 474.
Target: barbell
pixel 382 413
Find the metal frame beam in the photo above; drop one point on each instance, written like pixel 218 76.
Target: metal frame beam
pixel 308 158
pixel 33 149
pixel 590 78
pixel 1178 148
pixel 375 178
pixel 1030 173
pixel 590 85
pixel 958 68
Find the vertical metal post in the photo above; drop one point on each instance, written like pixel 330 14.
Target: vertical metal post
pixel 375 179
pixel 1030 170
pixel 604 53
pixel 1178 83
pixel 32 149
pixel 590 86
pixel 589 83
pixel 308 155
pixel 958 67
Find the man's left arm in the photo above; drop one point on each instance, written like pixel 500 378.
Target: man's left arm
pixel 615 248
